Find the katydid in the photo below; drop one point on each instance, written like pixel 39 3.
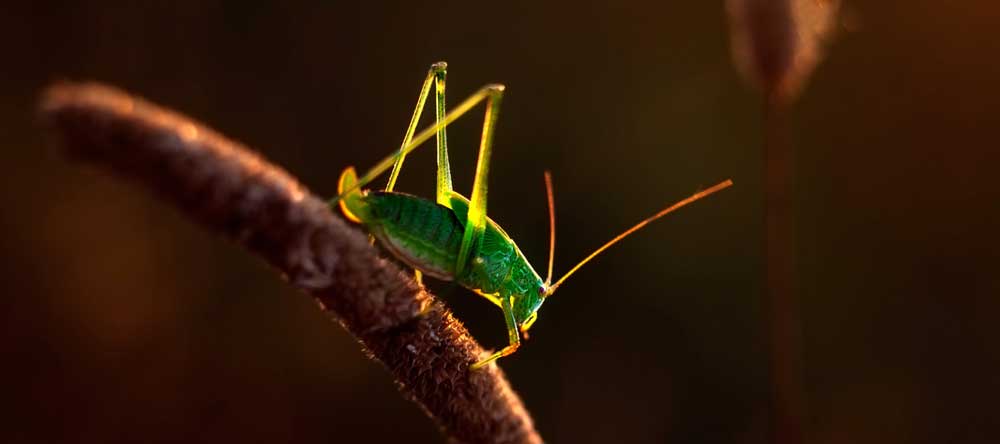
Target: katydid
pixel 451 238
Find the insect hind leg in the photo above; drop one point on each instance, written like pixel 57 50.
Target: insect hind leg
pixel 475 223
pixel 485 93
pixel 435 76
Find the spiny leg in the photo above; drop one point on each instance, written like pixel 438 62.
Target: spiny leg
pixel 435 75
pixel 475 223
pixel 512 335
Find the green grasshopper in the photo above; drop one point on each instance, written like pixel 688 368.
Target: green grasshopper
pixel 451 238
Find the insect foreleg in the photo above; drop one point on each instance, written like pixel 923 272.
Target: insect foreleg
pixel 512 334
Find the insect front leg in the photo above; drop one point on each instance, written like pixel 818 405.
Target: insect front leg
pixel 512 335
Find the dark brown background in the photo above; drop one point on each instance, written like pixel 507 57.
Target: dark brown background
pixel 123 322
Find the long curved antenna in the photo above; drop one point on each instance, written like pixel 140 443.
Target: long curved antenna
pixel 552 225
pixel 664 212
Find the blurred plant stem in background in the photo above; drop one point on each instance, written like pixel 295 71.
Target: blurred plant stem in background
pixel 776 44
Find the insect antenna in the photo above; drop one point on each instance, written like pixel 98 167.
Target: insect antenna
pixel 552 225
pixel 696 196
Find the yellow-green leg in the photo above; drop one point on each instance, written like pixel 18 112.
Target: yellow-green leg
pixel 476 219
pixel 435 75
pixel 443 166
pixel 512 335
pixel 475 223
pixel 385 164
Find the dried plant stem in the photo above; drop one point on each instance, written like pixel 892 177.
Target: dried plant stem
pixel 777 44
pixel 234 192
pixel 782 306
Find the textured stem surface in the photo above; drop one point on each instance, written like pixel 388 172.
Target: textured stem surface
pixel 235 192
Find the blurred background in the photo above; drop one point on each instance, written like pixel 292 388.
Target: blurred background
pixel 121 321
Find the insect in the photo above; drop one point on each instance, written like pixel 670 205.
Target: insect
pixel 451 238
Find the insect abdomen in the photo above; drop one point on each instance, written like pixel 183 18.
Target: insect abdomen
pixel 420 232
pixel 428 236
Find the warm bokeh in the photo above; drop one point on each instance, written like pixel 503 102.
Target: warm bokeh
pixel 123 322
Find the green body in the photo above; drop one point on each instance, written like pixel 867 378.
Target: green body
pixel 428 237
pixel 449 238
